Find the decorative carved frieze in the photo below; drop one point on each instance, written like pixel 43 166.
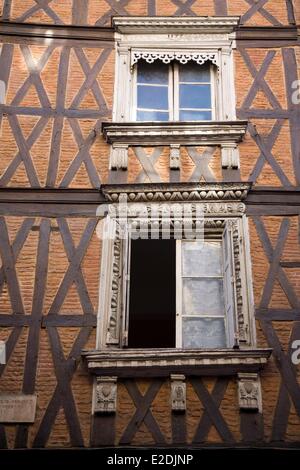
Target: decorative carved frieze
pixel 150 56
pixel 178 392
pixel 181 192
pixel 172 24
pixel 249 392
pixel 105 395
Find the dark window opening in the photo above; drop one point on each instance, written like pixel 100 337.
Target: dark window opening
pixel 152 296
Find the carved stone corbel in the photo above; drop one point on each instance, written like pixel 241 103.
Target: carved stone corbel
pixel 230 156
pixel 175 156
pixel 178 392
pixel 249 392
pixel 106 395
pixel 118 157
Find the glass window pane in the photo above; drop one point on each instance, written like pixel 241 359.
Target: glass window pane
pixel 202 297
pixel 203 333
pixel 156 73
pixel 185 115
pixel 195 96
pixel 152 116
pixel 152 97
pixel 201 258
pixel 195 73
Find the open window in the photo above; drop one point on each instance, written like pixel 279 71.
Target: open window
pixel 181 294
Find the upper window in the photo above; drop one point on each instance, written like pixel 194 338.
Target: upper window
pixel 174 92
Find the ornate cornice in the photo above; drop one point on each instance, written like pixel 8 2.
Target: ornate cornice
pixel 164 133
pixel 177 192
pixel 130 363
pixel 170 24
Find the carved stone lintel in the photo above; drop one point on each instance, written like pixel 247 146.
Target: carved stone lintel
pixel 249 391
pixel 106 395
pixel 230 156
pixel 175 157
pixel 178 392
pixel 118 157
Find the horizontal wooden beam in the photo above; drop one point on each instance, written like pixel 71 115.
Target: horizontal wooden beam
pixel 49 31
pixel 84 202
pixel 266 36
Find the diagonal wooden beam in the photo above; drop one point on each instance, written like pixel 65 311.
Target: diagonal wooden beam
pixel 63 395
pixel 9 268
pixel 71 272
pixel 58 123
pixel 259 80
pixel 24 151
pixel 212 410
pixel 206 423
pixel 40 5
pixel 87 70
pixel 221 8
pixel 28 143
pixel 143 412
pixel 34 70
pixel 283 407
pixel 202 164
pixel 79 280
pixel 257 6
pixel 33 342
pixel 275 264
pixel 90 79
pixel 117 8
pixel 184 7
pixel 148 163
pixel 83 155
pixel 268 156
pixel 281 276
pixel 17 245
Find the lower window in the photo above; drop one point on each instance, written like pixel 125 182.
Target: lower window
pixel 181 294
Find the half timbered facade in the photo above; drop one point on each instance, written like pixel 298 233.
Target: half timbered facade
pixel 81 131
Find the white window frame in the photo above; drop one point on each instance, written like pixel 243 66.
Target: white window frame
pixel 115 271
pixel 179 296
pixel 211 38
pixel 173 93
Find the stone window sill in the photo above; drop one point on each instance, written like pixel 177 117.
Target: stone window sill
pixel 163 362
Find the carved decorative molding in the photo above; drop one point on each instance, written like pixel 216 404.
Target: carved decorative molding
pixel 118 157
pixel 105 395
pixel 230 156
pixel 170 24
pixel 175 156
pixel 166 57
pixel 179 192
pixel 162 362
pixel 249 392
pixel 112 336
pixel 243 325
pixel 165 133
pixel 178 392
